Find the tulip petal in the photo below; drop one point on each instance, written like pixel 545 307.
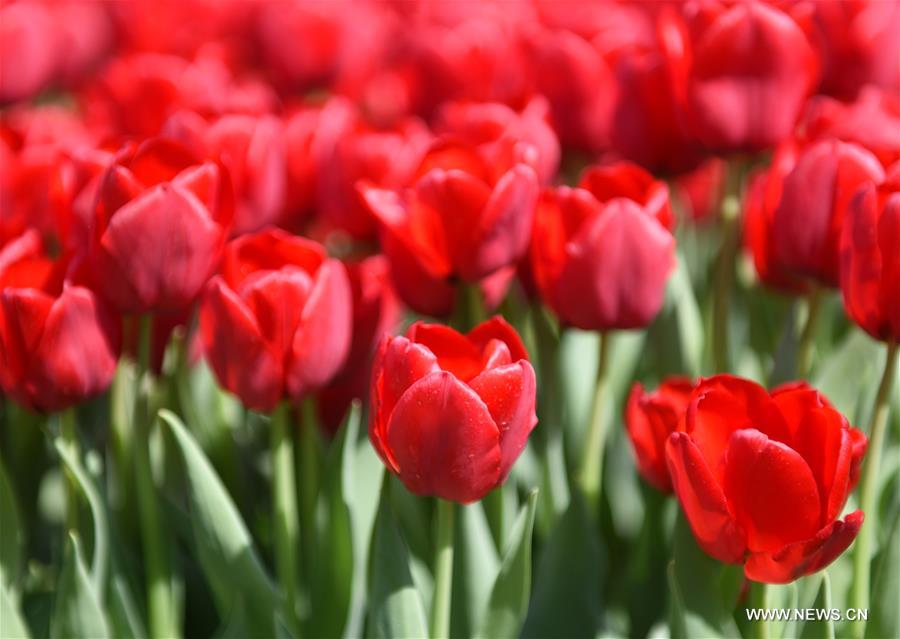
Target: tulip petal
pixel 25 312
pixel 771 491
pixel 322 340
pixel 420 290
pixel 889 243
pixel 703 501
pixel 236 351
pixel 804 557
pixel 498 328
pixel 455 353
pixel 269 250
pixel 509 393
pixel 444 440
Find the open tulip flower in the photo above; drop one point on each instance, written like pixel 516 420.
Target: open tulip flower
pixel 763 478
pixel 450 412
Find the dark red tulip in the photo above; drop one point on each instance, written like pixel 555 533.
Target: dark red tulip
pixel 462 219
pixel 751 69
pixel 871 121
pixel 376 311
pixel 601 262
pixel 276 323
pixel 814 198
pixel 59 344
pixel 650 418
pixel 760 204
pixel 161 221
pixel 763 478
pixel 451 413
pixel 870 259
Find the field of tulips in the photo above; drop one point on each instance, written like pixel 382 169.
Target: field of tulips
pixel 440 319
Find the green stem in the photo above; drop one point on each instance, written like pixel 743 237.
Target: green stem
pixel 862 557
pixel 69 433
pixel 759 600
pixel 804 348
pixel 724 275
pixel 469 311
pixel 592 460
pixel 443 570
pixel 284 506
pixel 160 598
pixel 310 447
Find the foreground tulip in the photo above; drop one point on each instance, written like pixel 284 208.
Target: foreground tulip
pixel 276 322
pixel 59 344
pixel 816 192
pixel 601 259
pixel 763 478
pixel 650 418
pixel 870 260
pixel 451 413
pixel 161 221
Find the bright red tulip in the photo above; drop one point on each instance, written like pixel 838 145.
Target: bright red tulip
pixel 276 323
pixel 650 418
pixel 451 413
pixel 763 478
pixel 751 69
pixel 870 259
pixel 624 179
pixel 59 343
pixel 814 198
pixel 29 49
pixel 376 311
pixel 463 218
pixel 161 221
pixel 601 261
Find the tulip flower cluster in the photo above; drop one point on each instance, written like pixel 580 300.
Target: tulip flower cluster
pixel 319 318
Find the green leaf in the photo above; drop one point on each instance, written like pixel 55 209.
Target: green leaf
pixel 333 562
pixel 77 612
pixel 884 613
pixel 12 626
pixel 12 537
pixel 821 629
pixel 98 514
pixel 848 369
pixel 395 608
pixel 124 616
pixel 224 545
pixel 568 577
pixel 707 589
pixel 475 567
pixel 509 596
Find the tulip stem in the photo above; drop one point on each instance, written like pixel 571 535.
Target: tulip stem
pixel 804 348
pixel 308 453
pixel 759 601
pixel 443 570
pixel 284 507
pixel 69 432
pixel 724 274
pixel 862 559
pixel 160 598
pixel 592 461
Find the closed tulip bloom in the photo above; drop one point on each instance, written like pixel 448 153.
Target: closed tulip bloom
pixel 450 412
pixel 650 418
pixel 464 218
pixel 59 343
pixel 814 199
pixel 161 221
pixel 751 69
pixel 870 259
pixel 624 179
pixel 276 322
pixel 601 263
pixel 762 478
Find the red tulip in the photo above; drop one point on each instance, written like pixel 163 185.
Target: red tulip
pixel 650 418
pixel 701 190
pixel 58 342
pixel 463 218
pixel 276 322
pixel 376 311
pixel 601 263
pixel 870 259
pixel 627 180
pixel 29 49
pixel 751 69
pixel 808 220
pixel 761 201
pixel 161 221
pixel 451 413
pixel 763 478
pixel 872 121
